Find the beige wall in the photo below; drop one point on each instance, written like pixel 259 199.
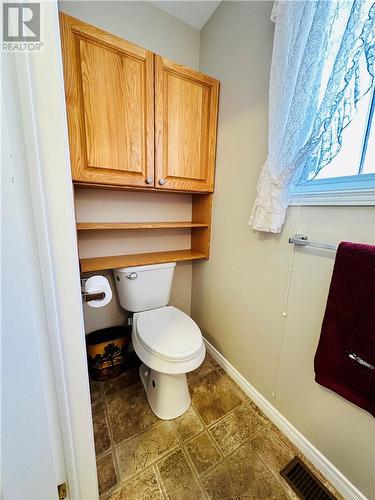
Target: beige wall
pixel 156 30
pixel 141 23
pixel 239 295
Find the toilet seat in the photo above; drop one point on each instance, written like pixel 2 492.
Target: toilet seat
pixel 168 340
pixel 169 334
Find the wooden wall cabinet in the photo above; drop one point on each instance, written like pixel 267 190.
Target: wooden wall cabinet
pixel 185 127
pixel 112 89
pixel 138 121
pixel 109 87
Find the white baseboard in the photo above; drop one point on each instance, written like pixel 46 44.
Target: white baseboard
pixel 336 478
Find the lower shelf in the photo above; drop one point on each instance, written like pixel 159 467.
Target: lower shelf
pixel 138 259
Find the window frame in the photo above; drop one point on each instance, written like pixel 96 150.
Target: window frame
pixel 356 189
pixel 347 190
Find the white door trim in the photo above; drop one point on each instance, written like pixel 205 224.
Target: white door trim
pixel 41 92
pixel 336 478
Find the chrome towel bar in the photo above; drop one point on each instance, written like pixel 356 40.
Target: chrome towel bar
pixel 302 240
pixel 361 361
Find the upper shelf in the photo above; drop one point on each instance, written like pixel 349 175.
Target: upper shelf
pixel 140 259
pixel 90 226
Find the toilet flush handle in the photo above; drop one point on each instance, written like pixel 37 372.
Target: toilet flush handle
pixel 132 276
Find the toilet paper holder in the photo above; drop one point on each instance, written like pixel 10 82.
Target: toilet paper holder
pixel 86 297
pixel 92 296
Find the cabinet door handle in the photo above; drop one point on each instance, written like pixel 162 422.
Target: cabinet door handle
pixel 162 182
pixel 149 180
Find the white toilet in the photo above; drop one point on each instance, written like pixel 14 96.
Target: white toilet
pixel 166 339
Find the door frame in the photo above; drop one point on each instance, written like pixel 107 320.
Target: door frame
pixel 42 100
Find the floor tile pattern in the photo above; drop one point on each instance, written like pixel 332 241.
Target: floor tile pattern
pixel 223 447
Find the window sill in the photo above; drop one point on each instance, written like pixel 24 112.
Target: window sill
pixel 350 190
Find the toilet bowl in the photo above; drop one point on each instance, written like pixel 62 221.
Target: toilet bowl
pixel 168 342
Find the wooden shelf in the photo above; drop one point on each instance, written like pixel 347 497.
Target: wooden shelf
pixel 200 239
pixel 140 259
pixel 90 226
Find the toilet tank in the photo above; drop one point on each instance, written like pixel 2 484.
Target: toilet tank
pixel 144 287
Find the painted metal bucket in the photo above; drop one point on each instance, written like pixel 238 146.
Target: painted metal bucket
pixel 106 352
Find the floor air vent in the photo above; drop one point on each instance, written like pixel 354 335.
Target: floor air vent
pixel 303 481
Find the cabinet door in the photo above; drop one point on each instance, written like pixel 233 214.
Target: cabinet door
pixel 110 106
pixel 185 127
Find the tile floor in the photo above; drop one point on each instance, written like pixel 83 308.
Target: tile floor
pixel 223 447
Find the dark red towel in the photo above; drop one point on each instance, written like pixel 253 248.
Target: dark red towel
pixel 347 339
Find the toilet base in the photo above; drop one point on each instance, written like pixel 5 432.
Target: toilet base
pixel 167 394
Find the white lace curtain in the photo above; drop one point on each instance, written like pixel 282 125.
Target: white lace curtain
pixel 322 64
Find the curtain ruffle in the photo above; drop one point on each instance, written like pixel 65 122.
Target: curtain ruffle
pixel 271 202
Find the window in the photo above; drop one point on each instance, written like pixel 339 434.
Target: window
pixel 350 177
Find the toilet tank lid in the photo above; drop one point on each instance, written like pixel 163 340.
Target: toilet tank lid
pixel 150 267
